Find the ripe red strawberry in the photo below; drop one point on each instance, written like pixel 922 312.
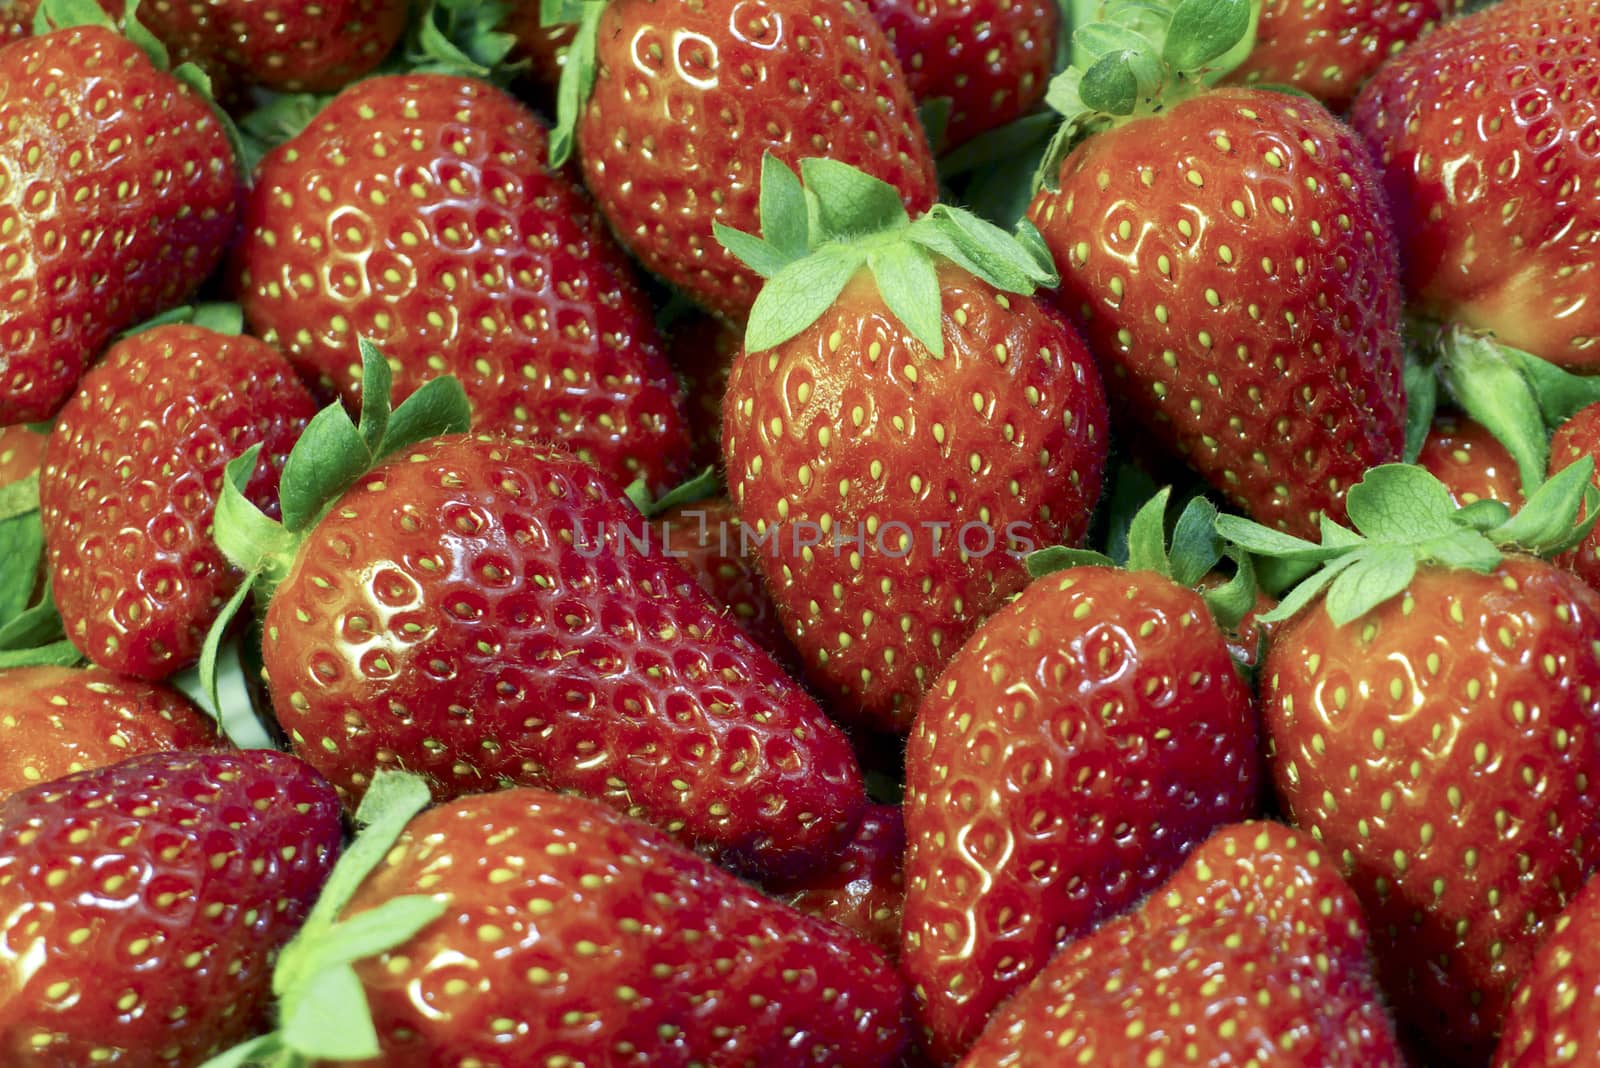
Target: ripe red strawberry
pixel 417 211
pixel 901 451
pixel 130 480
pixel 1486 136
pixel 1555 1018
pixel 863 888
pixel 59 720
pixel 123 194
pixel 142 905
pixel 21 448
pixel 702 349
pixel 1253 953
pixel 1329 48
pixel 555 931
pixel 1574 439
pixel 686 100
pixel 1084 740
pixel 1461 453
pixel 1228 256
pixel 1435 722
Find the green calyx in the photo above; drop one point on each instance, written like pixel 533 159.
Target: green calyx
pixel 1404 517
pixel 1140 57
pixel 820 227
pixel 31 632
pixel 331 455
pixel 220 318
pixel 577 74
pixel 463 37
pixel 323 1014
pixel 704 486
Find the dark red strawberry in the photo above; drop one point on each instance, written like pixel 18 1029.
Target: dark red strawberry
pixel 417 211
pixel 55 721
pixel 1486 132
pixel 863 888
pixel 1084 740
pixel 21 448
pixel 122 191
pixel 1578 437
pixel 1329 48
pixel 688 97
pixel 1229 257
pixel 529 928
pixel 131 478
pixel 143 904
pixel 1254 952
pixel 1555 1017
pixel 1467 458
pixel 899 446
pixel 702 349
pixel 1434 722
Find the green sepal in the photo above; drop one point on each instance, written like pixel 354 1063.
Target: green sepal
pixel 250 539
pixel 279 118
pixel 1372 577
pixel 798 295
pixel 1196 547
pixel 1042 562
pixel 909 285
pixel 700 487
pixel 325 462
pixel 36 625
pixel 56 654
pixel 438 406
pixel 210 649
pixel 463 38
pixel 1548 523
pixel 1147 535
pixel 1110 86
pixel 560 12
pixel 1203 31
pixel 64 14
pixel 848 202
pixel 577 80
pixel 785 214
pixel 1560 394
pixel 1230 602
pixel 1306 591
pixel 1484 514
pixel 1015 263
pixel 1422 400
pixel 1401 503
pixel 20 498
pixel 221 317
pixel 263 1050
pixel 327 1017
pixel 1491 388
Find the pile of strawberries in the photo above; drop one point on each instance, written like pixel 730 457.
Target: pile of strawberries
pixel 799 532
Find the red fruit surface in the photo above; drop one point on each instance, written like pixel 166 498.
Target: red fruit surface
pixel 1232 267
pixel 1086 739
pixel 130 482
pixel 1470 461
pixel 863 888
pixel 1253 953
pixel 60 720
pixel 1555 1017
pixel 118 194
pixel 945 470
pixel 478 611
pixel 1574 439
pixel 142 905
pixel 703 349
pixel 1441 749
pixel 418 211
pixel 1488 138
pixel 576 936
pixel 687 99
pixel 21 448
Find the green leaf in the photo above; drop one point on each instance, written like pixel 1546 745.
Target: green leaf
pixel 1225 64
pixel 21 549
pixel 1110 86
pixel 1307 591
pixel 909 286
pixel 1483 514
pixel 577 82
pixel 1265 541
pixel 1099 39
pixel 329 457
pixel 20 497
pixel 784 223
pixel 214 636
pixel 247 536
pixel 369 933
pixel 439 406
pixel 799 294
pixel 1560 394
pixel 377 385
pixel 1205 30
pixel 329 1019
pixel 461 38
pixel 1466 550
pixel 1230 602
pixel 560 12
pixel 220 317
pixel 259 1050
pixel 1147 535
pixel 983 249
pixel 35 626
pixel 1130 486
pixel 1549 516
pixel 1399 503
pixel 1044 562
pixel 850 202
pixel 705 485
pixel 56 654
pixel 1422 398
pixel 1196 546
pixel 1376 574
pixel 758 255
pixel 62 14
pixel 148 43
pixel 1490 387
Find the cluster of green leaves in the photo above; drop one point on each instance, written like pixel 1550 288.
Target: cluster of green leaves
pixel 30 627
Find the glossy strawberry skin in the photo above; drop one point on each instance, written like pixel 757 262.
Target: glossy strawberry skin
pixel 142 905
pixel 990 58
pixel 1553 1019
pixel 687 99
pixel 1253 953
pixel 473 613
pixel 863 888
pixel 1440 748
pixel 1329 48
pixel 1233 270
pixel 417 211
pixel 123 195
pixel 577 936
pixel 60 720
pixel 130 483
pixel 1470 461
pixel 1485 135
pixel 1574 439
pixel 1077 748
pixel 853 424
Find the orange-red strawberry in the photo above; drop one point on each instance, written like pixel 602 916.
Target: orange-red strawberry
pixel 688 97
pixel 121 192
pixel 418 211
pixel 904 422
pixel 130 481
pixel 1228 255
pixel 863 888
pixel 1486 133
pixel 61 720
pixel 1467 458
pixel 1253 953
pixel 1555 1017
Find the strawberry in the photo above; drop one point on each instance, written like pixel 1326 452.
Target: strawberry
pixel 673 105
pixel 1081 743
pixel 525 927
pixel 1434 722
pixel 482 611
pixel 143 904
pixel 1329 48
pixel 903 423
pixel 61 720
pixel 1229 258
pixel 1485 135
pixel 1578 437
pixel 864 886
pixel 122 190
pixel 21 447
pixel 1470 461
pixel 702 349
pixel 130 480
pixel 417 211
pixel 1254 952
pixel 1554 1018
